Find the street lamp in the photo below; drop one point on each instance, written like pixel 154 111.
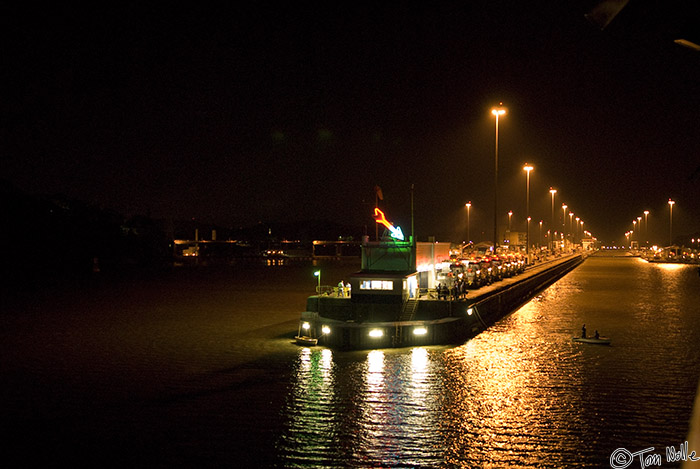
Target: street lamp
pixel 563 221
pixel 318 274
pixel 510 215
pixel 646 226
pixel 318 294
pixel 539 241
pixel 670 225
pixel 639 236
pixel 499 111
pixel 552 191
pixel 527 169
pixel 571 227
pixel 468 205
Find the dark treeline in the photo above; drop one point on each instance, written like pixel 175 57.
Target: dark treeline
pixel 53 238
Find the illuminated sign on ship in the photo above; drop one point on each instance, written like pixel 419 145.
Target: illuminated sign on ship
pixel 395 231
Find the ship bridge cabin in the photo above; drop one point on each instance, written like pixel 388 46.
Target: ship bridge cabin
pixel 388 279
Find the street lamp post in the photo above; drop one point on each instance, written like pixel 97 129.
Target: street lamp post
pixel 318 292
pixel 510 216
pixel 527 169
pixel 551 240
pixel 563 221
pixel 468 205
pixel 670 224
pixel 571 228
pixel 496 112
pixel 539 241
pixel 639 237
pixel 527 246
pixel 646 227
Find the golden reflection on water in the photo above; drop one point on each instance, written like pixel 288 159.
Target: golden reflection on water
pixel 521 393
pixel 504 390
pixel 420 384
pixel 504 397
pixel 397 408
pixel 671 267
pixel 497 395
pixel 383 411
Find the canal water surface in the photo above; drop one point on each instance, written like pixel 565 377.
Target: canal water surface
pixel 198 368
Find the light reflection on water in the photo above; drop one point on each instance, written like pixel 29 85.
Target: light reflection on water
pixel 521 394
pixel 312 421
pixel 510 397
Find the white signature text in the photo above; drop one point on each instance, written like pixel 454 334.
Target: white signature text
pixel 622 457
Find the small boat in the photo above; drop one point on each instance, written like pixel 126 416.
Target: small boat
pixel 592 340
pixel 305 340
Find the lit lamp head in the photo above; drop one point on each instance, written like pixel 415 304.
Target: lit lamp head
pixel 317 274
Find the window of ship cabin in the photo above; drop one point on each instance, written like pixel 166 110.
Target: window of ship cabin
pixel 376 285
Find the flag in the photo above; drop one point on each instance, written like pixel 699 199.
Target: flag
pixel 378 192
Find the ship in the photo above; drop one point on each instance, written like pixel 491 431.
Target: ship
pixel 395 299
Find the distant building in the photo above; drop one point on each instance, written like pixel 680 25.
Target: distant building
pixel 515 238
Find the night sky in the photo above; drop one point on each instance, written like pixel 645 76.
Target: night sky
pixel 267 113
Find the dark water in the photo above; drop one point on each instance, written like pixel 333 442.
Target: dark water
pixel 198 369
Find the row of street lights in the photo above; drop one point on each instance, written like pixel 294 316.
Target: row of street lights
pixel 573 233
pixel 498 112
pixel 579 222
pixel 638 224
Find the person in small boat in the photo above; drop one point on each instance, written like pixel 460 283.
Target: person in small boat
pixel 597 336
pixel 583 332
